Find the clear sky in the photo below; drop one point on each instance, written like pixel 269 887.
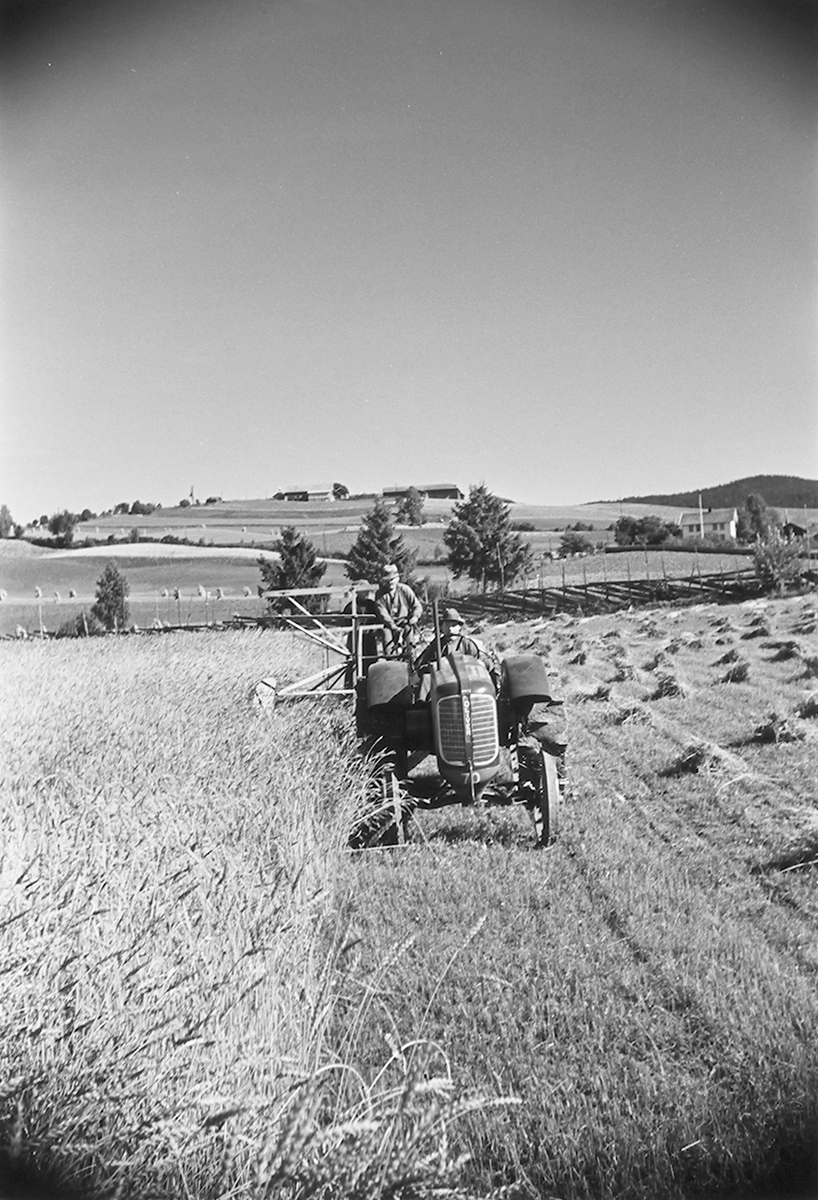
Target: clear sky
pixel 564 247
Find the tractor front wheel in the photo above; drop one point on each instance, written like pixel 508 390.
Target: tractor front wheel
pixel 539 768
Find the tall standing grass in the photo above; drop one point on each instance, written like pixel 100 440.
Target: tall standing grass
pixel 169 931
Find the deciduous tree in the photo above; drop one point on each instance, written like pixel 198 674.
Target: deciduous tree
pixel 645 531
pixel 62 524
pixel 756 521
pixel 481 542
pixel 572 542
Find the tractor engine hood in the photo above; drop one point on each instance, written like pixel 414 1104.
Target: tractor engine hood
pixel 464 721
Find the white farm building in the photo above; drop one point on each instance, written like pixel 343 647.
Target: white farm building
pixel 718 524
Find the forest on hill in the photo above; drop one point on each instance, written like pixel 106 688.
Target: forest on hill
pixel 779 491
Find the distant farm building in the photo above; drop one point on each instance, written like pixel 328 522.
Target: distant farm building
pixel 718 524
pixel 429 491
pixel 306 495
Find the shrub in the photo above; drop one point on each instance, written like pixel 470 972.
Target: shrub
pixel 574 543
pixel 776 563
pixel 83 625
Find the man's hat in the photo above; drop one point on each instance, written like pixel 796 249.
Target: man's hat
pixel 391 571
pixel 452 616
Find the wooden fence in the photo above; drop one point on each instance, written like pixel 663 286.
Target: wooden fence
pixel 609 595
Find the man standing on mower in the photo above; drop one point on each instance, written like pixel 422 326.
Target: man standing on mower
pixel 399 609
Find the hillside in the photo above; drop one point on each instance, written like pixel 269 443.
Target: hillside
pixel 780 491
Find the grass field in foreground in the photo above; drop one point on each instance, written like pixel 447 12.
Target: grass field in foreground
pixel 184 938
pixel 646 987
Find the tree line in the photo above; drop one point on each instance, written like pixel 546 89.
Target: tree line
pixel 480 540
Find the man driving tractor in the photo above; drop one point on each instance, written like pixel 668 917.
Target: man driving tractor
pixel 455 640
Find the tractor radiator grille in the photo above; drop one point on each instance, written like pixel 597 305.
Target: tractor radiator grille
pixel 454 712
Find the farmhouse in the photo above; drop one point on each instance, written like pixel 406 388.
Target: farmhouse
pixel 429 491
pixel 304 495
pixel 790 531
pixel 719 524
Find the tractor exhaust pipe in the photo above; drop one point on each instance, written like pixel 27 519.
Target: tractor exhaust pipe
pixel 438 644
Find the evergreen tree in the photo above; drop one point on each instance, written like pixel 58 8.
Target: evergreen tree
pixel 111 608
pixel 6 521
pixel 297 567
pixel 409 510
pixel 376 545
pixel 481 542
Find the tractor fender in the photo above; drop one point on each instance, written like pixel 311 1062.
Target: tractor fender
pixel 388 684
pixel 524 680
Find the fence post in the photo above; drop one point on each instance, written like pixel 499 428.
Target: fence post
pixel 563 584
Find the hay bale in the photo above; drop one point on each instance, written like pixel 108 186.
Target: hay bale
pixel 738 673
pixel 701 756
pixel 660 659
pixel 602 692
pixel 629 712
pixel 669 685
pixel 810 667
pixel 758 631
pixel 778 728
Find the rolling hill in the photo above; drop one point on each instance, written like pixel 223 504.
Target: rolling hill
pixel 779 491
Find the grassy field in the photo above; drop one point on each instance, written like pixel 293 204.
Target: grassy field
pixel 153 572
pixel 185 940
pixel 171 919
pixel 260 520
pixel 646 987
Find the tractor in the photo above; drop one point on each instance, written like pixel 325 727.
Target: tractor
pixel 458 732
